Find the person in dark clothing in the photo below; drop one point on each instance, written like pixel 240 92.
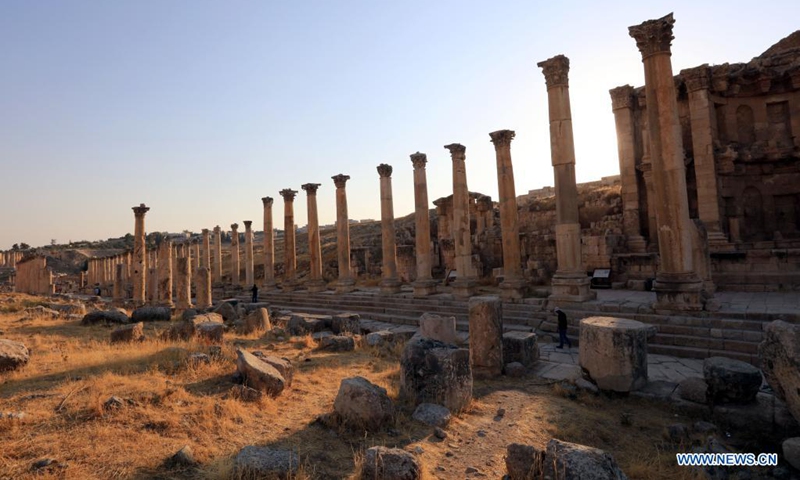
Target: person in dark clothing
pixel 562 329
pixel 255 293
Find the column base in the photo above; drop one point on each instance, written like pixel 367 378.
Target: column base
pixel 423 288
pixel 390 286
pixel 464 288
pixel 718 242
pixel 678 291
pixel 289 285
pixel 571 287
pixel 512 289
pixel 637 244
pixel 345 285
pixel 315 286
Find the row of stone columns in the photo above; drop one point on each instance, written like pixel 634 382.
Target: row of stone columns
pixel 10 258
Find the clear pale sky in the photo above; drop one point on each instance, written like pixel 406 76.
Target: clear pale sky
pixel 200 108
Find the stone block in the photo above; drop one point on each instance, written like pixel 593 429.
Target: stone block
pixel 437 327
pixel 520 347
pixel 486 336
pixel 436 372
pixel 613 351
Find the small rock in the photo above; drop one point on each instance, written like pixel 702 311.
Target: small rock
pixel 113 402
pixel 693 389
pixel 382 337
pixel 418 450
pixel 586 386
pixel 199 358
pixel 439 433
pixel 13 355
pixel 182 458
pixel 522 461
pixel 501 412
pixel 515 370
pixel 338 343
pixel 626 419
pixel 211 331
pixel 432 414
pixel 344 323
pixel 45 463
pixel 128 333
pixel 245 394
pixel 471 470
pixel 481 433
pixel 381 463
pixel 362 404
pixel 264 462
pixel 227 311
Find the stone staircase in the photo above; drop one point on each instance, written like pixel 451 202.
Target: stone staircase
pixel 701 335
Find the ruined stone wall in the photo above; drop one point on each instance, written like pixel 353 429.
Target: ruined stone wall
pixel 33 276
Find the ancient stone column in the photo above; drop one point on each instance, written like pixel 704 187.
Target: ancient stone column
pixel 613 351
pixel 119 282
pixel 236 278
pixel 269 245
pixel 424 284
pixel 570 282
pixel 622 105
pixel 345 282
pixel 486 336
pixel 183 290
pixel 389 282
pixel 249 276
pixel 702 114
pixel 513 286
pixel 139 273
pixel 152 285
pixel 315 283
pixel 165 272
pixel 203 287
pixel 289 245
pixel 677 285
pixel 196 260
pixel 217 268
pixel 205 250
pixel 465 283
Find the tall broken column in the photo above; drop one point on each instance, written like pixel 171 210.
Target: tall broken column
pixel 513 286
pixel 389 281
pixel 217 269
pixel 315 283
pixel 249 275
pixel 269 245
pixel 465 283
pixel 677 285
pixel 203 288
pixel 205 251
pixel 235 263
pixel 139 273
pixel 165 272
pixel 119 282
pixel 345 283
pixel 289 242
pixel 570 282
pixel 183 288
pixel 424 284
pixel 622 105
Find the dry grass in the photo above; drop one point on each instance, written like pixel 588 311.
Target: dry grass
pixel 169 403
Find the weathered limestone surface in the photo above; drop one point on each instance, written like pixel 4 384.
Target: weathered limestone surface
pixel 383 463
pixel 346 323
pixel 571 461
pixel 249 274
pixel 289 242
pixel 165 272
pixel 203 288
pixel 362 404
pixel 139 267
pixel 13 355
pixel 677 284
pixel 613 351
pixel 269 245
pixel 465 283
pixel 780 359
pixel 259 374
pixel 217 267
pixel 345 282
pixel 424 284
pixel 119 282
pixel 33 276
pixel 438 327
pixel 389 282
pixel 520 347
pixel 513 284
pixel 435 372
pixel 236 266
pixel 570 282
pixel 205 253
pixel 264 462
pixel 731 381
pixel 315 283
pixel 486 336
pixel 128 333
pixel 183 288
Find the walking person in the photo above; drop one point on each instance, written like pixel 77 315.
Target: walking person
pixel 562 328
pixel 255 293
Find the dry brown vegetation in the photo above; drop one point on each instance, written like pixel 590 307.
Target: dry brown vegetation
pixel 170 403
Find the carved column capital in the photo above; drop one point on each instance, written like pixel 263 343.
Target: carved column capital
pixel 621 97
pixel 267 201
pixel 140 210
pixel 457 151
pixel 419 160
pixel 288 194
pixel 217 229
pixel 310 188
pixel 697 78
pixel 653 36
pixel 556 71
pixel 247 224
pixel 502 138
pixel 384 170
pixel 234 226
pixel 205 231
pixel 340 180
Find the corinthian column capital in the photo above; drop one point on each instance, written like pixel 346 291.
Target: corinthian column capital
pixel 556 71
pixel 653 36
pixel 502 138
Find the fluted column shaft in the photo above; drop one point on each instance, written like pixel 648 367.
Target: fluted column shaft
pixel 139 274
pixel 345 282
pixel 249 277
pixel 424 284
pixel 462 238
pixel 289 243
pixel 269 244
pixel 389 282
pixel 217 269
pixel 315 283
pixel 235 262
pixel 205 253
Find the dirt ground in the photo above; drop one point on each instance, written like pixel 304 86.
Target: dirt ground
pixel 169 403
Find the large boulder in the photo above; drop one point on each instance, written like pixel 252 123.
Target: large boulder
pixel 41 312
pixel 613 352
pixel 13 355
pixel 207 317
pixel 520 347
pixel 693 389
pixel 256 321
pixel 435 372
pixel 107 317
pixel 382 463
pixel 211 332
pixel 780 358
pixel 265 462
pixel 791 451
pixel 382 337
pixel 303 323
pixel 151 314
pixel 337 343
pixel 128 333
pixel 282 365
pixel 343 323
pixel 362 404
pixel 731 381
pixel 522 462
pixel 437 327
pixel 258 374
pixel 570 461
pixel 432 414
pixel 227 311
